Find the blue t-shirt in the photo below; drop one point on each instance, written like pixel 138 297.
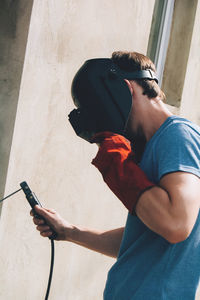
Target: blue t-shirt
pixel 148 266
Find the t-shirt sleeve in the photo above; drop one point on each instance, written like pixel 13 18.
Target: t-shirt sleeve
pixel 178 149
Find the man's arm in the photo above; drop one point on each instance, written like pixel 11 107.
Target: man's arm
pixel 171 209
pixel 105 242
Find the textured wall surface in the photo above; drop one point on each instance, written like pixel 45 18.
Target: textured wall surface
pixel 14 24
pixel 190 104
pixel 46 153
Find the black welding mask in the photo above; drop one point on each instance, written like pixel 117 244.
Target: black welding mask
pixel 102 97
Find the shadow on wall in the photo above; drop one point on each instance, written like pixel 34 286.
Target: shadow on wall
pixel 14 25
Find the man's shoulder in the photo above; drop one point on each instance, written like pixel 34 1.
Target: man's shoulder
pixel 177 128
pixel 183 124
pixel 174 147
pixel 177 148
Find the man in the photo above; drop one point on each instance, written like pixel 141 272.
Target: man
pixel 157 177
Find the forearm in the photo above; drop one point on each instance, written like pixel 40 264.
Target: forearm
pixel 104 242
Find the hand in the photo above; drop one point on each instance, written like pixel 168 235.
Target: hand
pixel 51 222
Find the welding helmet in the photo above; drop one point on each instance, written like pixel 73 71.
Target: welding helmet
pixel 102 97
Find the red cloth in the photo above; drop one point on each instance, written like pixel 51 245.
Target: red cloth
pixel 115 161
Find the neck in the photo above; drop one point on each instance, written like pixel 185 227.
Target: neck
pixel 157 115
pixel 145 119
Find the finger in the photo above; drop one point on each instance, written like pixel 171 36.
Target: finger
pixel 43 228
pixel 43 211
pixel 51 210
pixel 46 233
pixel 37 221
pixel 34 214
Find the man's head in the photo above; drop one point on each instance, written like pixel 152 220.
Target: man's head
pixel 101 94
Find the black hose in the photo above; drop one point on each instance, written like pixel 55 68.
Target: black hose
pixel 51 269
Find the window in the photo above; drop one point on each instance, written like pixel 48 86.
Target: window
pixel 169 44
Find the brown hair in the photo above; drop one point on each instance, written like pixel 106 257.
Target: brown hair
pixel 133 61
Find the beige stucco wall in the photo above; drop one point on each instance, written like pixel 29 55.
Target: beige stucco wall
pixel 190 104
pixel 14 25
pixel 46 153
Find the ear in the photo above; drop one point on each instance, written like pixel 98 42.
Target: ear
pixel 129 85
